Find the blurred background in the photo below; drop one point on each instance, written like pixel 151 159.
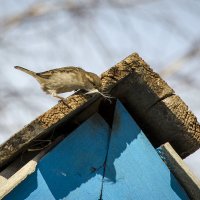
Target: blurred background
pixel 95 35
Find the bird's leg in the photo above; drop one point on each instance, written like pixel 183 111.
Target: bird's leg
pixel 92 91
pixel 59 97
pixel 97 91
pixel 54 94
pixel 102 94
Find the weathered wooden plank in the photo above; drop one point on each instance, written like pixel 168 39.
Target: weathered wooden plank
pixel 134 170
pixel 72 112
pixel 161 114
pixel 73 169
pixel 181 171
pixel 9 184
pixel 13 175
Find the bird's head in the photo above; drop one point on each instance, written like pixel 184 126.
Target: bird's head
pixel 94 80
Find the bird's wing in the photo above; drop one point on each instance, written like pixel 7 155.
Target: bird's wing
pixel 49 73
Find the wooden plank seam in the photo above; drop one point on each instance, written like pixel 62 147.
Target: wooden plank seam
pixel 133 140
pixel 104 165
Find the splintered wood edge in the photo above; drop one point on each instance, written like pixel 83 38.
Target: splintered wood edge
pixel 158 110
pixel 41 125
pixel 8 184
pixel 181 171
pixel 152 84
pixel 17 178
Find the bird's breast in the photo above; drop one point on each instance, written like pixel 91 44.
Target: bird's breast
pixel 64 82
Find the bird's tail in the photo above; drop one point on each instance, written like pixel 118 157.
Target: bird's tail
pixel 26 71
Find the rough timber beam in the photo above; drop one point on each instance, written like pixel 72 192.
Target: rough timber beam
pixel 162 115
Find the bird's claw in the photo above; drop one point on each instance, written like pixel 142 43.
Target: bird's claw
pixel 106 96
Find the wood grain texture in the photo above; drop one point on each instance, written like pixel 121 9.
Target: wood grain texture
pixel 72 170
pixel 181 171
pixel 58 115
pixel 161 114
pixel 94 162
pixel 134 170
pixel 19 170
pixel 17 178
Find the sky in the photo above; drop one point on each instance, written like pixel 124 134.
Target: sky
pixel 94 35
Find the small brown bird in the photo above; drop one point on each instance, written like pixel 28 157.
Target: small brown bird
pixel 66 79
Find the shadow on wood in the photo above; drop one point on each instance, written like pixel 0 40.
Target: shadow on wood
pixel 94 162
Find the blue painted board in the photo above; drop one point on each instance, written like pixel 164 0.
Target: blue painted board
pixel 72 170
pixel 133 168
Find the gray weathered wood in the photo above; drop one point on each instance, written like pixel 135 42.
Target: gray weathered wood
pixel 181 171
pixel 71 170
pixel 75 107
pixel 161 114
pixel 15 173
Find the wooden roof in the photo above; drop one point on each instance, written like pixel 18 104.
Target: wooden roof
pixel 162 115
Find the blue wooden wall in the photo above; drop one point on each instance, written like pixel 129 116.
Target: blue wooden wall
pixel 94 162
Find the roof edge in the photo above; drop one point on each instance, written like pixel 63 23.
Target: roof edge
pixel 162 115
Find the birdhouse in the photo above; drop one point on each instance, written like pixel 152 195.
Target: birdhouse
pixel 129 147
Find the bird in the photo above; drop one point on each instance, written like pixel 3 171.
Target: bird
pixel 66 79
